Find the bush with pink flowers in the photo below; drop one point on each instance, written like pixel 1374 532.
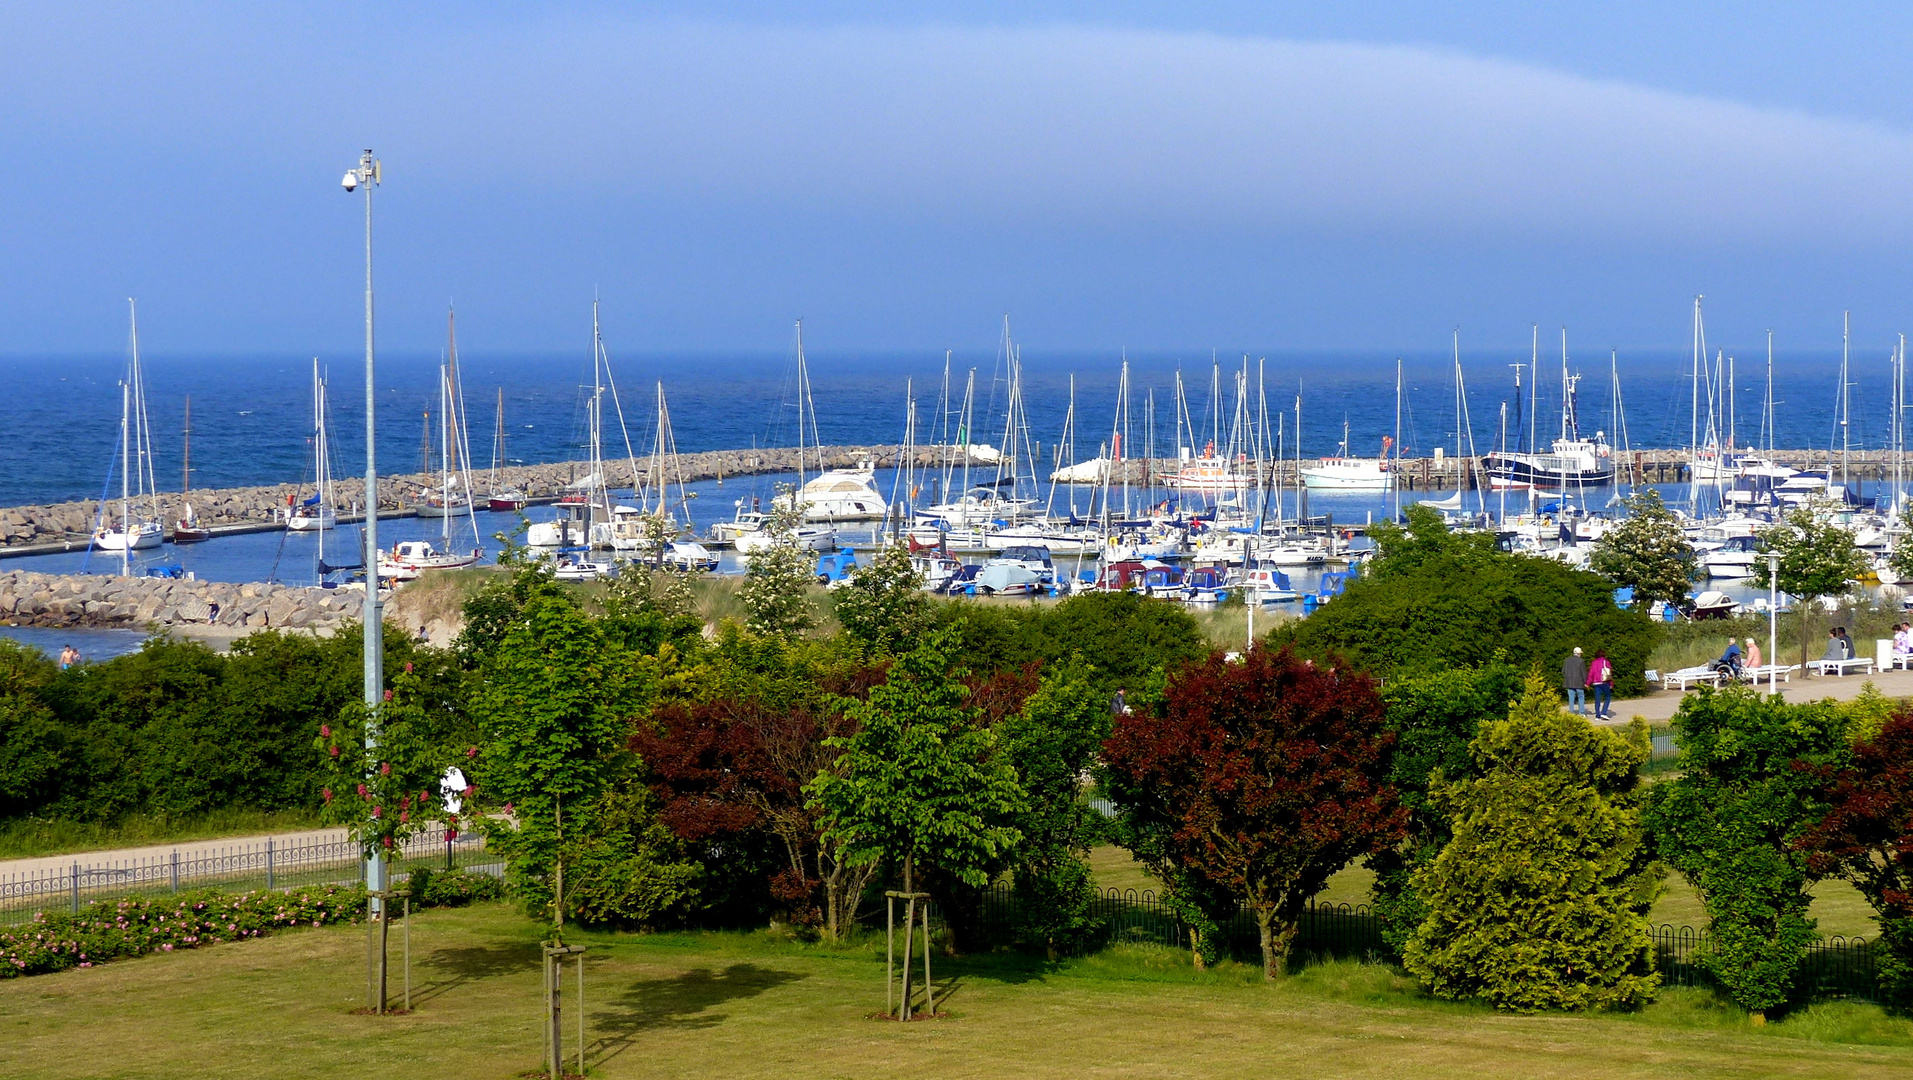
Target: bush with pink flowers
pixel 116 929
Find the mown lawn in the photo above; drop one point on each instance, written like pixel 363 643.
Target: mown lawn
pixel 745 1005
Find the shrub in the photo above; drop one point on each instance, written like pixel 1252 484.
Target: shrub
pixel 453 888
pixel 116 929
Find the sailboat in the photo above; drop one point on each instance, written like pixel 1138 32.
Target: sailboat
pixel 834 494
pixel 187 529
pixel 453 495
pixel 584 499
pixel 510 499
pixel 135 532
pixel 316 513
pixel 813 537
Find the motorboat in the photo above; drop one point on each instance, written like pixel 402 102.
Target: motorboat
pixel 934 569
pixel 689 555
pixel 1712 604
pixel 1268 585
pixel 1732 559
pixel 1160 579
pixel 975 507
pixel 1210 474
pixel 578 565
pixel 570 525
pixel 1345 473
pixel 840 495
pixel 410 558
pixel 504 502
pixel 808 537
pixel 1205 585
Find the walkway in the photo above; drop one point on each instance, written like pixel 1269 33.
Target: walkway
pixel 1660 705
pixel 188 849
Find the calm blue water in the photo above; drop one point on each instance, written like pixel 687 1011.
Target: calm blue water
pixel 94 645
pixel 251 418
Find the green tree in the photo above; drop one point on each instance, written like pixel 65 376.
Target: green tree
pixel 1052 742
pixel 1436 600
pixel 1901 557
pixel 1817 558
pixel 1435 716
pixel 1539 901
pixel 920 781
pixel 389 791
pixel 1732 822
pixel 777 583
pixel 33 751
pixel 1647 552
pixel 551 705
pixel 882 607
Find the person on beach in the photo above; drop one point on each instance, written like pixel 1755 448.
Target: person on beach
pixel 1601 681
pixel 68 657
pixel 1574 680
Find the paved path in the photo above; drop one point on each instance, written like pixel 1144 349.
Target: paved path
pixel 190 849
pixel 1660 705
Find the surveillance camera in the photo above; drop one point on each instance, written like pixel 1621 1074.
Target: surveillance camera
pixel 351 180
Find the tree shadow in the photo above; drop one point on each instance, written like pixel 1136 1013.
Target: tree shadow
pixel 463 965
pixel 684 1002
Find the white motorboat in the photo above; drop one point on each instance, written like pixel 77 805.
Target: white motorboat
pixel 569 527
pixel 579 566
pixel 1269 585
pixel 1210 475
pixel 1348 474
pixel 840 495
pixel 689 555
pixel 934 570
pixel 979 506
pixel 410 558
pixel 808 537
pixel 1732 559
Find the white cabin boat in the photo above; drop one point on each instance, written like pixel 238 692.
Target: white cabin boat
pixel 410 558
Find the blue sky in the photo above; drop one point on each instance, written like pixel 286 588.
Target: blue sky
pixel 1265 177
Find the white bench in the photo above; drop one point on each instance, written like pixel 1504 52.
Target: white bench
pixel 1768 672
pixel 1862 664
pixel 1689 677
pixel 1903 661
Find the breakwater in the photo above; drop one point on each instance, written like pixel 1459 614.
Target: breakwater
pixel 60 600
pixel 69 525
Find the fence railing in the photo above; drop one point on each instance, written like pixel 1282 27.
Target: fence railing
pixel 271 864
pixel 1833 967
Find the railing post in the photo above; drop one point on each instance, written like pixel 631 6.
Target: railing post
pixel 76 886
pixel 175 869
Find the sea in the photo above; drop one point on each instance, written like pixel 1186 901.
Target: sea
pixel 252 419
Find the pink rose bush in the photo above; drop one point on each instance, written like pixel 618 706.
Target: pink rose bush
pixel 116 929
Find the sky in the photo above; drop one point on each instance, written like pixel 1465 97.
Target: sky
pixel 1261 177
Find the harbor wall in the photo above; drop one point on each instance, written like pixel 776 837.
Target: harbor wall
pixel 97 600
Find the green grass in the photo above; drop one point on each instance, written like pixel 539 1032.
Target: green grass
pixel 25 838
pixel 746 1005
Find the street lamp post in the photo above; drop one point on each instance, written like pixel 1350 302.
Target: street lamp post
pixel 1773 616
pixel 367 175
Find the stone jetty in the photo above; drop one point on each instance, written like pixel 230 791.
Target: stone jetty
pixel 30 599
pixel 259 507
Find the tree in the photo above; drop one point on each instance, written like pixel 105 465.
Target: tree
pixel 1866 837
pixel 1901 557
pixel 1435 716
pixel 1435 600
pixel 389 791
pixel 1051 743
pixel 33 751
pixel 777 582
pixel 550 708
pixel 1817 558
pixel 919 782
pixel 1647 552
pixel 1262 778
pixel 882 606
pixel 1732 822
pixel 1540 899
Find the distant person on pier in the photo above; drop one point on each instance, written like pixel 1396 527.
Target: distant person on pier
pixel 1574 679
pixel 1601 681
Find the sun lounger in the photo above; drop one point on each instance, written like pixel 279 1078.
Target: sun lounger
pixel 1767 672
pixel 1689 677
pixel 1861 664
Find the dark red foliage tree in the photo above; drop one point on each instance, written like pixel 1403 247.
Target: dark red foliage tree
pixel 1262 777
pixel 729 767
pixel 1867 838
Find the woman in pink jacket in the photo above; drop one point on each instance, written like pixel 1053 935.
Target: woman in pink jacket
pixel 1601 681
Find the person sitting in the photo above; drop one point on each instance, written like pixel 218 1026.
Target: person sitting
pixel 1903 639
pixel 1729 661
pixel 1836 647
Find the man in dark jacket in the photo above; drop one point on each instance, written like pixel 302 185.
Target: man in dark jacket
pixel 1574 679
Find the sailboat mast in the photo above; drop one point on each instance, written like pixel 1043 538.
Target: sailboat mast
pixel 1845 398
pixel 186 452
pixel 126 517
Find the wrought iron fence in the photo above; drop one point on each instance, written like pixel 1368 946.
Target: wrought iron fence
pixel 1833 967
pixel 271 865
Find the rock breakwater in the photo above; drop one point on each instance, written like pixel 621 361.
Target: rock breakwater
pixel 73 522
pixel 30 599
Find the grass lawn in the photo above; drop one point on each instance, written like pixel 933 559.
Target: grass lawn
pixel 742 1005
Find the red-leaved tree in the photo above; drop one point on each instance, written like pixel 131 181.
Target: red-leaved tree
pixel 1867 838
pixel 1262 777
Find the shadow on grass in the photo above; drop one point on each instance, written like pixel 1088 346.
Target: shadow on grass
pixel 683 1001
pixel 464 965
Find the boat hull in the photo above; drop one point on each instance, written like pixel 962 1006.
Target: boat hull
pixel 142 537
pixel 1518 469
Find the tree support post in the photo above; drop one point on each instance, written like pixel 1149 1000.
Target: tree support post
pixel 901 1007
pixel 376 943
pixel 554 1031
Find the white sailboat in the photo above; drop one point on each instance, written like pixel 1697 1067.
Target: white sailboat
pixel 834 494
pixel 585 501
pixel 139 527
pixel 410 558
pixel 316 513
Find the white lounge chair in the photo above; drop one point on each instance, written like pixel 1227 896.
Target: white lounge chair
pixel 1686 678
pixel 1862 664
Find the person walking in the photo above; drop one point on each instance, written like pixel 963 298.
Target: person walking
pixel 1601 681
pixel 1574 679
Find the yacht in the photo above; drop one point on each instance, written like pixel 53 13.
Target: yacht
pixel 139 526
pixel 841 495
pixel 410 558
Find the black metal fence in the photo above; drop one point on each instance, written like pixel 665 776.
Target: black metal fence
pixel 1833 968
pixel 271 865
